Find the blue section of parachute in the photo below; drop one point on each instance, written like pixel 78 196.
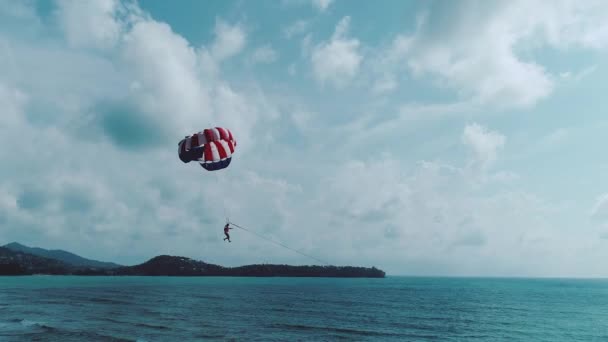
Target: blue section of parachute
pixel 222 164
pixel 193 154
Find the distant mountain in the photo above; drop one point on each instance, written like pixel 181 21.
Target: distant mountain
pixel 166 265
pixel 20 263
pixel 21 260
pixel 57 254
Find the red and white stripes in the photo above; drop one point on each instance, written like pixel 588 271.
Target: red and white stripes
pixel 216 151
pixel 218 144
pixel 210 134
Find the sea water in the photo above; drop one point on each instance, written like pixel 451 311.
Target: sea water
pixel 65 308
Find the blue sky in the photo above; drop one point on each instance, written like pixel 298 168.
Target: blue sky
pixel 427 138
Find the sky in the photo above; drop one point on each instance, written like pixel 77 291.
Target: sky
pixel 460 138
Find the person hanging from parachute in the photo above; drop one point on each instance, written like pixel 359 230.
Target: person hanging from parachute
pixel 212 148
pixel 226 229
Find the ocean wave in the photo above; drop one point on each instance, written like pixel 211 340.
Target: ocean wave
pixel 368 333
pixel 135 324
pixel 108 301
pixel 23 327
pixel 152 326
pixel 42 331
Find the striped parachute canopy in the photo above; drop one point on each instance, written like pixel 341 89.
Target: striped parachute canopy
pixel 212 148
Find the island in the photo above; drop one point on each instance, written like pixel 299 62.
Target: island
pixel 16 259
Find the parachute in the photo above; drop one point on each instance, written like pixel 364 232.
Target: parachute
pixel 212 148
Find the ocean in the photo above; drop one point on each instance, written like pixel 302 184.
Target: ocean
pixel 68 308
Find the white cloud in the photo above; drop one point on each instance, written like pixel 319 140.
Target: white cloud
pixel 237 113
pixel 599 211
pixel 13 121
pixel 264 54
pixel 173 93
pixel 301 119
pixel 550 141
pixel 384 85
pixel 481 70
pixel 296 28
pixel 321 5
pixel 91 23
pixel 170 87
pixel 12 101
pixel 291 69
pixel 15 9
pixel 564 24
pixel 483 142
pixel 306 45
pixel 473 47
pixel 555 137
pixel 338 60
pixel 230 40
pixel 407 119
pixel 428 219
pixel 579 75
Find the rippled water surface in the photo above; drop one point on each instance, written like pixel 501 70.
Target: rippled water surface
pixel 56 308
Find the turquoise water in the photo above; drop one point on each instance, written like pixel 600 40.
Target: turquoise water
pixel 57 308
